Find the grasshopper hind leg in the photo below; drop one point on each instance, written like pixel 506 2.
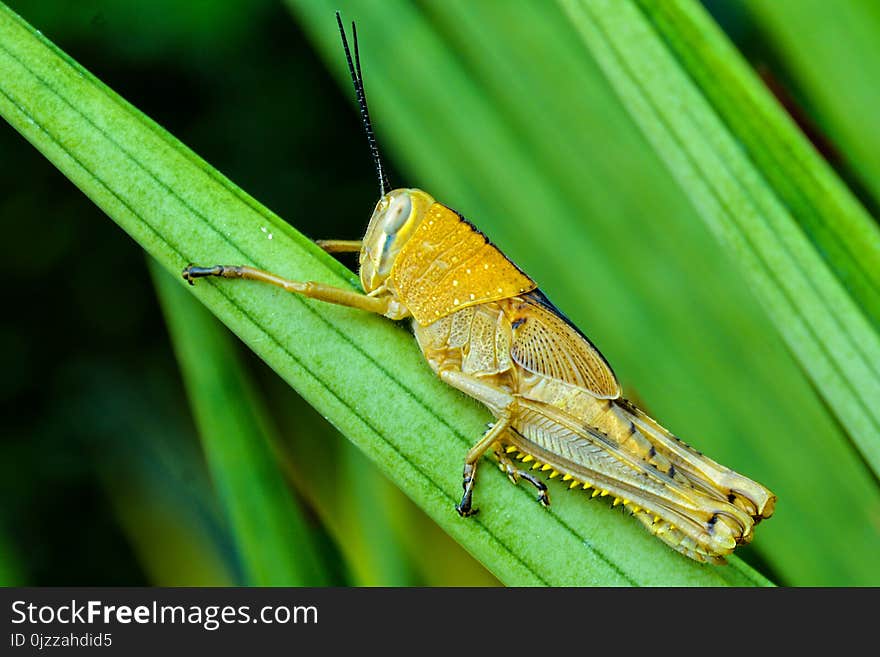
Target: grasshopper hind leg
pixel 515 474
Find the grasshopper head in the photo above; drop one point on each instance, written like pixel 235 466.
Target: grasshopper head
pixel 394 220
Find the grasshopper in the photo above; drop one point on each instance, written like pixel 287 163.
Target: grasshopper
pixel 486 329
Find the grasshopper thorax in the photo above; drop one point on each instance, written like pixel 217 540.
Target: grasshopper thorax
pixel 396 217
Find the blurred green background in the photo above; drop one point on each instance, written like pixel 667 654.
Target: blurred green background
pixel 103 477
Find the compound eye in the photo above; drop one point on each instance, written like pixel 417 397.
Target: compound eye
pixel 397 213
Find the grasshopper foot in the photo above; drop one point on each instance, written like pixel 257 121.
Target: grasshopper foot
pixel 192 272
pixel 514 475
pixel 464 507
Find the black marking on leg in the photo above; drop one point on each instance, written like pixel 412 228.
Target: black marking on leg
pixel 652 452
pixel 464 507
pixel 534 481
pixel 192 272
pixel 712 521
pixel 543 498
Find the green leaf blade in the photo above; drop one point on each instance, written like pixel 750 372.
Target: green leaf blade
pixel 825 329
pixel 842 231
pixel 830 51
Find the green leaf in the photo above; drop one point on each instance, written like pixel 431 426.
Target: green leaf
pixel 681 80
pixel 363 373
pixel 505 117
pixel 272 537
pixel 830 51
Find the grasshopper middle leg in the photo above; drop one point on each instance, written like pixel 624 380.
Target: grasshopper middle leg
pixel 503 405
pixel 469 474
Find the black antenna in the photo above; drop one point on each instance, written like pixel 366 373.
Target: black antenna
pixel 357 79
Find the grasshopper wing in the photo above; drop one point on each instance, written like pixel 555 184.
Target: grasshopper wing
pixel 545 342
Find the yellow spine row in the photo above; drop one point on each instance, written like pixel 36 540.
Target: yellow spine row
pixel 665 530
pixel 575 483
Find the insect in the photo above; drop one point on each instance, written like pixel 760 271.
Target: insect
pixel 486 329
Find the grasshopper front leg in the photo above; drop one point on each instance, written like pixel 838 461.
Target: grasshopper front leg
pixel 340 246
pixel 381 305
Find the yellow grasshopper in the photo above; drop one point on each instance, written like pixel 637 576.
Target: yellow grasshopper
pixel 486 329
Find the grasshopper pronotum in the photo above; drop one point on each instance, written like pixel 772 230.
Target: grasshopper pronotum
pixel 486 329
